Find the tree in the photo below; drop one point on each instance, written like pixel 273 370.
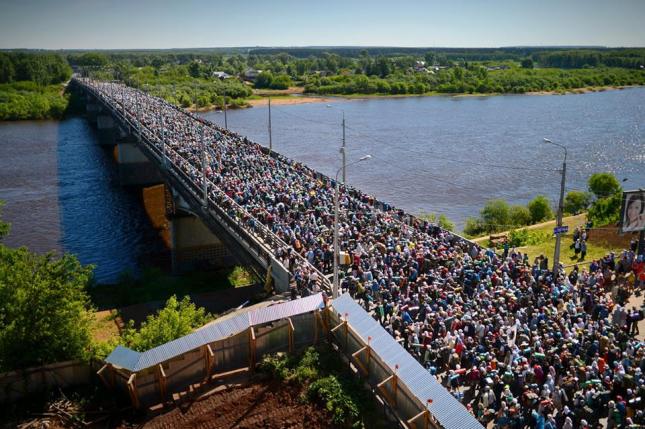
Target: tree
pixel 281 81
pixel 576 202
pixel 605 211
pixel 45 314
pixel 264 80
pixel 540 209
pixel 496 215
pixel 527 63
pixel 92 59
pixel 176 319
pixel 604 185
pixel 194 69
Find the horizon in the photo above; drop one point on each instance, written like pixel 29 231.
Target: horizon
pixel 331 47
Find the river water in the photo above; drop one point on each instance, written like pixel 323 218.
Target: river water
pixel 430 154
pixel 452 154
pixel 62 193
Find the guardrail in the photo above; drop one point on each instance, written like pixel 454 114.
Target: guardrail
pixel 222 208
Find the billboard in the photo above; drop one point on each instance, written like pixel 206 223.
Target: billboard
pixel 633 211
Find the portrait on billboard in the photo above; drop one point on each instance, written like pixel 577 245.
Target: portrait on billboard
pixel 633 213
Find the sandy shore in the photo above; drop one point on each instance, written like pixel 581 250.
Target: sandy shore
pixel 291 97
pixel 292 100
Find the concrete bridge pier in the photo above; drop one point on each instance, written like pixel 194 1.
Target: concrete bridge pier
pixel 92 109
pixel 108 130
pixel 193 245
pixel 135 169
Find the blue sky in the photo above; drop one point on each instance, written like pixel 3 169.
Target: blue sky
pixel 103 24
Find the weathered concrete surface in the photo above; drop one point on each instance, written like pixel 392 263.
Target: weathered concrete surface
pixel 193 245
pixel 134 167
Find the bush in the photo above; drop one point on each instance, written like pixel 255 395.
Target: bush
pixel 474 227
pixel 330 391
pixel 540 209
pixel 496 215
pixel 576 202
pixel 525 237
pixel 176 319
pixel 520 215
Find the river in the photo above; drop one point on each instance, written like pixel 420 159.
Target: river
pixel 62 194
pixel 430 154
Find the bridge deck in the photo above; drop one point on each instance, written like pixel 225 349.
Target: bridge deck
pixel 282 207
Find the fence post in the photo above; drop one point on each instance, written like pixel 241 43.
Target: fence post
pixel 132 390
pixel 291 330
pixel 251 349
pixel 208 361
pixel 161 376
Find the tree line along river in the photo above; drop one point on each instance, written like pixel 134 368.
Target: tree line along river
pixel 430 154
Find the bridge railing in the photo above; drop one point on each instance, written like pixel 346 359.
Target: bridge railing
pixel 228 212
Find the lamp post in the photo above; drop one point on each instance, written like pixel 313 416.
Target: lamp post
pixel 556 253
pixel 336 287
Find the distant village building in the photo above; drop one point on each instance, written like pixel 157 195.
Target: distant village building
pixel 502 67
pixel 221 75
pixel 251 74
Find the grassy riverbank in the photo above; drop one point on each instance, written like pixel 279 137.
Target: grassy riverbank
pixel 544 242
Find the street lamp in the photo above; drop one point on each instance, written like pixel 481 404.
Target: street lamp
pixel 556 253
pixel 336 287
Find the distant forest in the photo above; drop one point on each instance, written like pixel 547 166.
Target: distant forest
pixel 30 81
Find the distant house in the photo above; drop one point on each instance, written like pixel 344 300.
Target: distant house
pixel 251 74
pixel 221 75
pixel 420 66
pixel 502 67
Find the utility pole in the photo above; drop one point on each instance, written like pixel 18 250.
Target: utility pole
pixel 270 138
pixel 558 236
pixel 344 152
pixel 225 118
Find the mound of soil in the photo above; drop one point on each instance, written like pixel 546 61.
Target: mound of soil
pixel 259 405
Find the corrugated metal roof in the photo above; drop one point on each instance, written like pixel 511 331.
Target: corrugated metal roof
pixel 131 360
pixel 123 357
pixel 287 309
pixel 450 413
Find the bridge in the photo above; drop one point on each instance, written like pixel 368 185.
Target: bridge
pixel 275 216
pixel 266 211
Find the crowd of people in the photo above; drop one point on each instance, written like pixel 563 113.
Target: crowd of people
pixel 517 343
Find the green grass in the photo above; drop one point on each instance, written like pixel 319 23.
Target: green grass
pixel 547 247
pixel 567 255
